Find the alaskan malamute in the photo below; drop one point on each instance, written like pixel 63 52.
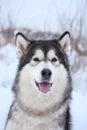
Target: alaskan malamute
pixel 42 86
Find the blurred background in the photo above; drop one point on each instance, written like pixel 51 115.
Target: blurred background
pixel 45 19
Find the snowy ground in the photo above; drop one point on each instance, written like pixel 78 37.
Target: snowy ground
pixel 8 67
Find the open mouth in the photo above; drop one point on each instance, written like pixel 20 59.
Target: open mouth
pixel 44 87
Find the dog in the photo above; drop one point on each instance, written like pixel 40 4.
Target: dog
pixel 42 85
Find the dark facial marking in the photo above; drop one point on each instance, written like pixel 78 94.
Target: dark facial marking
pixel 45 46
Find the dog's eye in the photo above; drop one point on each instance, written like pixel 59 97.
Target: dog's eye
pixel 36 59
pixel 54 59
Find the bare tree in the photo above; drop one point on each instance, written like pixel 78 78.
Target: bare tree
pixel 82 26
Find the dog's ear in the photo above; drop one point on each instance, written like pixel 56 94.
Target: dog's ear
pixel 65 43
pixel 21 44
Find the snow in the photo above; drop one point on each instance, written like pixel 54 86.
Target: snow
pixel 8 65
pixel 79 111
pixel 8 68
pixel 6 98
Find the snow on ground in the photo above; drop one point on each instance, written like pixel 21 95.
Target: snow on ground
pixel 8 68
pixel 79 111
pixel 6 98
pixel 8 65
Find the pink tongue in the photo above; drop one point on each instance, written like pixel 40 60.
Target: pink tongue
pixel 44 87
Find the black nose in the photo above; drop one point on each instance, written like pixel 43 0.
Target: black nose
pixel 46 73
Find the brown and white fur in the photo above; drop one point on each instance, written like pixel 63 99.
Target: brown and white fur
pixel 42 86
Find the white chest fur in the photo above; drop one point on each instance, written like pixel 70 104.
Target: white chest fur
pixel 22 121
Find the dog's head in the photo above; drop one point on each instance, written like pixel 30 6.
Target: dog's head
pixel 44 63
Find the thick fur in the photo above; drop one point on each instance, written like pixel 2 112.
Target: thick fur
pixel 33 108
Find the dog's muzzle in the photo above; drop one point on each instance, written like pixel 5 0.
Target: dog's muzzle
pixel 44 85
